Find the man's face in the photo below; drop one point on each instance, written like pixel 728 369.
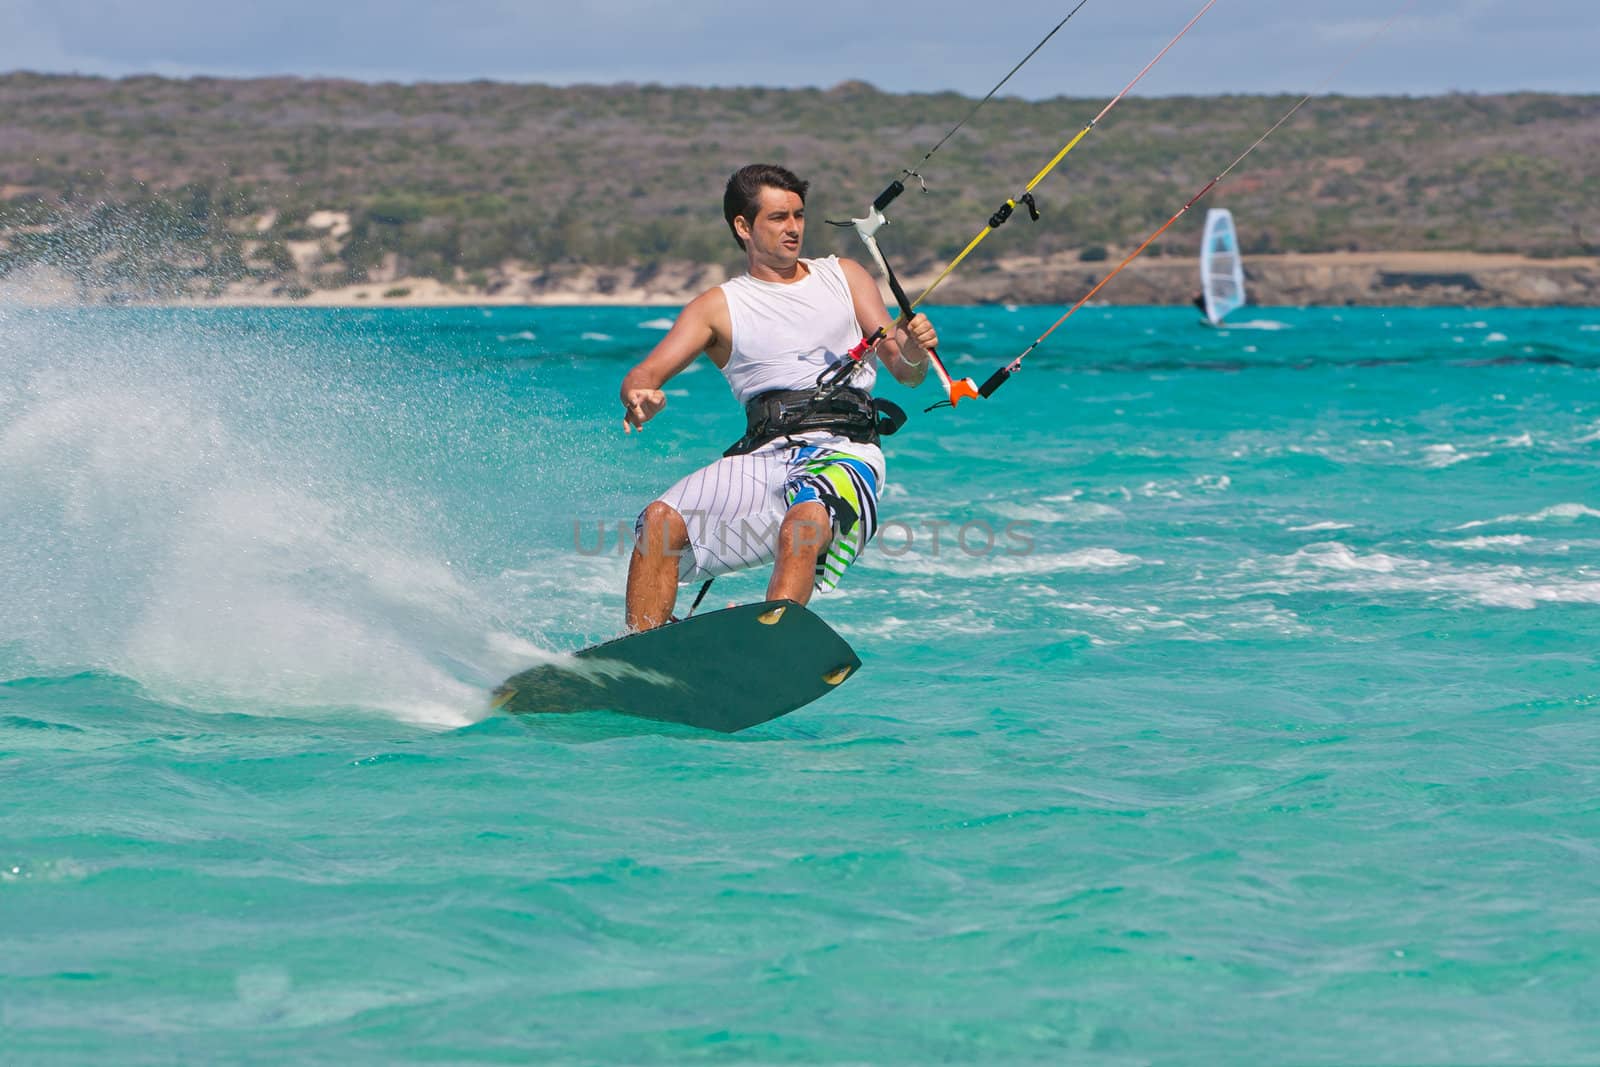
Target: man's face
pixel 780 224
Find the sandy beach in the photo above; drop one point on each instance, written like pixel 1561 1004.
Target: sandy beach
pixel 1335 278
pixel 1341 278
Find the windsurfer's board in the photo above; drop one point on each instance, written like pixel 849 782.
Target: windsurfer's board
pixel 725 670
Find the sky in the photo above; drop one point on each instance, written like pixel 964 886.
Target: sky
pixel 1243 46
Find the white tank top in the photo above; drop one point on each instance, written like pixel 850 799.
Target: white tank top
pixel 784 335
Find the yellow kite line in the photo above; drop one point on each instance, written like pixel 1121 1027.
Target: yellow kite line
pixel 999 377
pixel 1005 210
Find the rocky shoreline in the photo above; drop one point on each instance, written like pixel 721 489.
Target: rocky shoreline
pixel 1342 279
pixel 1380 279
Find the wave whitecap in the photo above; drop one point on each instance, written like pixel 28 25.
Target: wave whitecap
pixel 1554 513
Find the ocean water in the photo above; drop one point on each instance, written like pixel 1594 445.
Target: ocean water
pixel 1230 696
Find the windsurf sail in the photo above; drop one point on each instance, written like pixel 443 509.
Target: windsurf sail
pixel 1221 268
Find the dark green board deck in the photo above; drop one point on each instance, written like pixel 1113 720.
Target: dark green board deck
pixel 724 670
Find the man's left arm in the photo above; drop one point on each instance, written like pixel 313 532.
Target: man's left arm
pixel 904 348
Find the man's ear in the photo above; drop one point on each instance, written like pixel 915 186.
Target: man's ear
pixel 741 226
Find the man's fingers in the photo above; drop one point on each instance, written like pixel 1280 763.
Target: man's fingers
pixel 920 329
pixel 642 409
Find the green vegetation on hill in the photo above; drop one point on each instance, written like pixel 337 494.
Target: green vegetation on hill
pixel 162 183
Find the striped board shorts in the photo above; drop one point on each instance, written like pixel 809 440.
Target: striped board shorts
pixel 734 507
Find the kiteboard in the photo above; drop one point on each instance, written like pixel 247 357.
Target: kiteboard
pixel 725 670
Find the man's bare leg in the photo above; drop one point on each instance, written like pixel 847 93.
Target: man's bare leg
pixel 653 569
pixel 803 536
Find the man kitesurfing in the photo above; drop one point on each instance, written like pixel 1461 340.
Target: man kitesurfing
pixel 794 337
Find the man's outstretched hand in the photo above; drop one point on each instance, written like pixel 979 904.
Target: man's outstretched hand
pixel 641 405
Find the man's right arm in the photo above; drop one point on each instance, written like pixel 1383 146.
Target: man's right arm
pixel 694 332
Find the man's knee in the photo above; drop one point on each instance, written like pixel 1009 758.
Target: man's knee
pixel 660 530
pixel 806 528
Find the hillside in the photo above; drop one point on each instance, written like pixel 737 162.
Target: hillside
pixel 151 188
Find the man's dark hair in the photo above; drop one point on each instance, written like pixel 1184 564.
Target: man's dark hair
pixel 742 198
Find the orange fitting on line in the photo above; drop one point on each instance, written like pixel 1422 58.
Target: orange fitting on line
pixel 962 390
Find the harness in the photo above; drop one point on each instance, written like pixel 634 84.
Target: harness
pixel 837 408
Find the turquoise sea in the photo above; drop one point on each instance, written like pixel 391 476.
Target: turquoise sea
pixel 1264 732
